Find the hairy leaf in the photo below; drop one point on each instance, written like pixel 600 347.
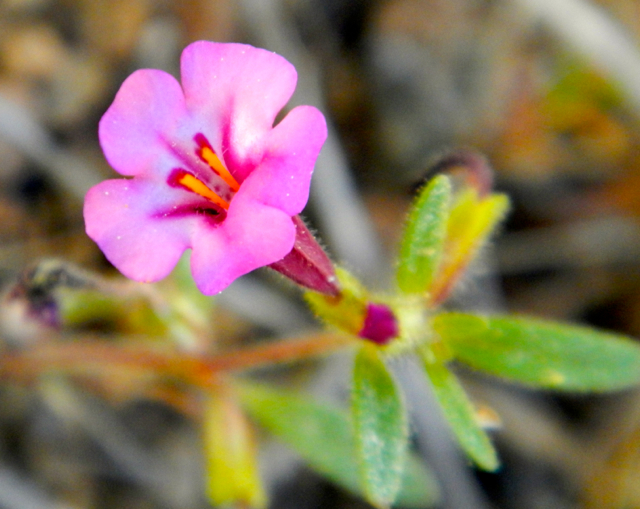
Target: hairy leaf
pixel 423 240
pixel 380 426
pixel 461 415
pixel 324 437
pixel 542 353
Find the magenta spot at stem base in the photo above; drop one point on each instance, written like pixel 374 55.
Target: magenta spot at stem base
pixel 380 324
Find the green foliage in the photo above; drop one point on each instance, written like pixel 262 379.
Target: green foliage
pixel 324 437
pixel 542 353
pixel 472 220
pixel 128 313
pixel 189 311
pixel 460 413
pixel 231 463
pixel 579 86
pixel 380 427
pixel 423 240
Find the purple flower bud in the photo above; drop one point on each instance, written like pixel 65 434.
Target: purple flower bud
pixel 380 324
pixel 307 264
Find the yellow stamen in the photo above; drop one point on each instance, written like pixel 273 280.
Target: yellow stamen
pixel 217 166
pixel 197 186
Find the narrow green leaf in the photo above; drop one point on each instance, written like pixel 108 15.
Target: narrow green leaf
pixel 380 426
pixel 542 353
pixel 460 414
pixel 324 437
pixel 423 240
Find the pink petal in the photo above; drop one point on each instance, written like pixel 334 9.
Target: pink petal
pixel 143 117
pixel 251 236
pixel 283 177
pixel 240 89
pixel 122 217
pixel 232 94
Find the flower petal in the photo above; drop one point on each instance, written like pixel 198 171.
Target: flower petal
pixel 283 177
pixel 122 217
pixel 232 95
pixel 144 114
pixel 251 236
pixel 240 89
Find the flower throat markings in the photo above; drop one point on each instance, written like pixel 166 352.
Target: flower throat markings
pixel 192 183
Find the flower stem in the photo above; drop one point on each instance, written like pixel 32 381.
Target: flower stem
pixel 91 357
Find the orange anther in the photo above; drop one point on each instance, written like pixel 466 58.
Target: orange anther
pixel 197 186
pixel 216 165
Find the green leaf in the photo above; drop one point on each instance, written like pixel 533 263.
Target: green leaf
pixel 380 426
pixel 542 353
pixel 472 220
pixel 324 437
pixel 423 241
pixel 230 453
pixel 460 414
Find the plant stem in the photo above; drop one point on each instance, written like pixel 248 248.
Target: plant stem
pixel 88 357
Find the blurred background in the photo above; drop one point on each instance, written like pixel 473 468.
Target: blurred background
pixel 548 90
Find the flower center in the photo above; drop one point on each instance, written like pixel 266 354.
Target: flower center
pixel 216 165
pixel 196 185
pixel 218 188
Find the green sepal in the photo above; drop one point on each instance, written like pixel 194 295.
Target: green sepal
pixel 347 311
pixel 542 353
pixel 380 427
pixel 424 237
pixel 459 413
pixel 324 438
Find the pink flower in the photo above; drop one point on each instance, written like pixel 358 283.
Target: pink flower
pixel 209 170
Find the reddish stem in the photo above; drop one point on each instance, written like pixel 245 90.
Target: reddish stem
pixel 87 357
